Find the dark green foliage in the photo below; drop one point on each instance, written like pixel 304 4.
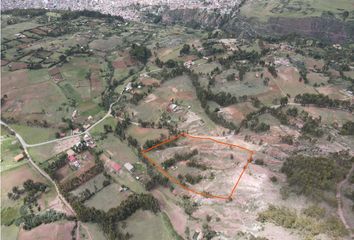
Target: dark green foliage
pixel 30 221
pixel 121 127
pixel 311 175
pixel 171 63
pixel 178 157
pixel 307 223
pixel 288 139
pixel 230 77
pixel 251 56
pixel 312 127
pixel 321 100
pixel 195 164
pixel 284 101
pixel 347 128
pixel 53 166
pixel 192 179
pixel 273 71
pixel 140 53
pixel 185 49
pixel 274 179
pixel 293 112
pixel 259 162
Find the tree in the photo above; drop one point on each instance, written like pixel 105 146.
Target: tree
pixel 284 101
pixel 140 53
pixel 185 49
pixel 230 77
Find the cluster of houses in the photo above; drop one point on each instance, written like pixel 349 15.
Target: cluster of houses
pixel 188 64
pixel 72 159
pixel 79 147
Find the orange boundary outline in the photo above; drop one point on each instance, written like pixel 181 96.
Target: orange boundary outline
pixel 176 181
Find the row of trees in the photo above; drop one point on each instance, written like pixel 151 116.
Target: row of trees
pixel 52 167
pixel 177 158
pixel 321 100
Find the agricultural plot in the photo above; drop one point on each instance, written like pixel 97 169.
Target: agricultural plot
pixel 180 90
pixel 67 172
pixel 200 165
pixel 34 135
pixel 328 116
pixel 144 134
pixel 288 82
pixel 237 112
pixel 117 150
pixel 149 226
pixel 10 147
pixel 51 231
pixel 107 198
pixel 15 177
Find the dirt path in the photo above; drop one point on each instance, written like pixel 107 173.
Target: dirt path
pixel 339 197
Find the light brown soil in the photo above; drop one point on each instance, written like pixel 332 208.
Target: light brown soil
pixel 52 231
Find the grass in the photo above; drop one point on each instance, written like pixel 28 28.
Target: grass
pixel 42 153
pixel 10 30
pixel 92 185
pixel 10 232
pixel 149 226
pixel 99 128
pixel 10 147
pixel 109 197
pixel 118 150
pixel 9 215
pixel 40 75
pixel 70 92
pixel 94 230
pixel 144 134
pixel 34 135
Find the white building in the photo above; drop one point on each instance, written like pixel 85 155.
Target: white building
pixel 129 167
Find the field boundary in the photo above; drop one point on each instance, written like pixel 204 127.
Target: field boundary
pixel 176 181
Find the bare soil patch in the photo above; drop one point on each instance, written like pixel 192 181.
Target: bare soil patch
pixel 51 231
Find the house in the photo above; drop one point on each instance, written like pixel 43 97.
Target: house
pixel 129 167
pixel 72 158
pixel 128 87
pixel 70 152
pixel 115 166
pixel 87 137
pixel 172 107
pixel 74 114
pixel 19 157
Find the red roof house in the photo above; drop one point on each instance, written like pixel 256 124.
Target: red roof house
pixel 72 158
pixel 115 166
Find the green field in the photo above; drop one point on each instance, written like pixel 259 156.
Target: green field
pixel 34 135
pixel 10 147
pixel 109 197
pixel 149 226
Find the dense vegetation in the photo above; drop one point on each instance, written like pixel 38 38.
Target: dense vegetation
pixel 312 175
pixel 108 220
pixel 306 223
pixel 140 53
pixel 321 100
